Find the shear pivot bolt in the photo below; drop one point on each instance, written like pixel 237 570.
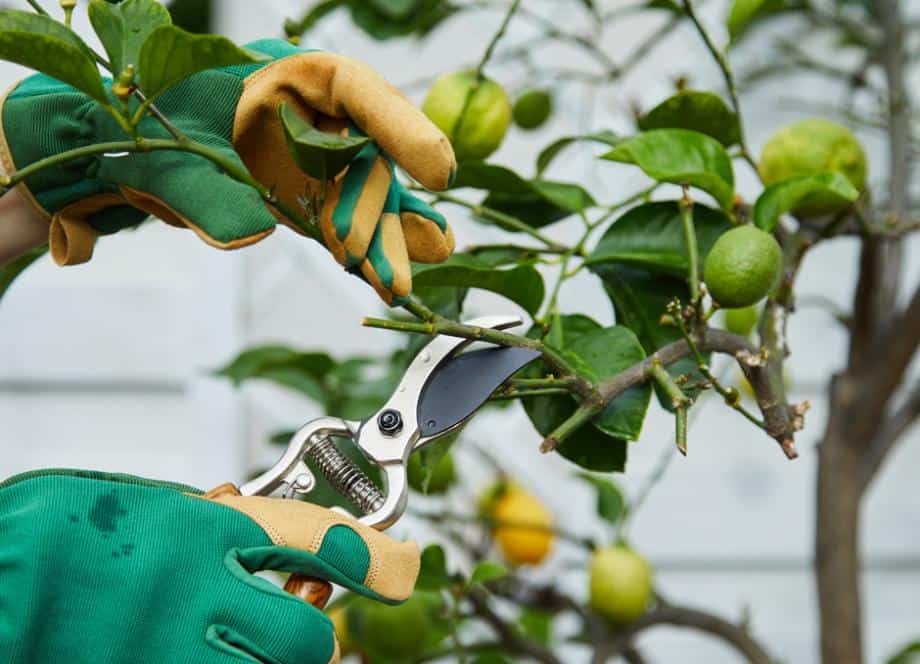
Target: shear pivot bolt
pixel 390 422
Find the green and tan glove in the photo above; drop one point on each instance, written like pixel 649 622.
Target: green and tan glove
pixel 112 568
pixel 369 221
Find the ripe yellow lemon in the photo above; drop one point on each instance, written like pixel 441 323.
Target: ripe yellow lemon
pixel 620 584
pixel 482 128
pixel 742 267
pixel 521 526
pixel 810 147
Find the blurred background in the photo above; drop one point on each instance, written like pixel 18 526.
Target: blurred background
pixel 109 365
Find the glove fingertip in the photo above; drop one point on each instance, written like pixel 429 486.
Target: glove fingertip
pixel 426 241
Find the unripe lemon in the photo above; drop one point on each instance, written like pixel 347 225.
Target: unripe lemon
pixel 742 320
pixel 742 266
pixel 532 109
pixel 442 476
pixel 810 147
pixel 620 584
pixel 526 540
pixel 339 617
pixel 481 129
pixel 398 632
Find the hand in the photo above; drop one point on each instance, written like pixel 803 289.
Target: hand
pixel 112 568
pixel 368 221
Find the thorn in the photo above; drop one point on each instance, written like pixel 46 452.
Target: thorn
pixel 682 448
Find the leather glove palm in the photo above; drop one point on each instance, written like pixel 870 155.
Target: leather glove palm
pixel 112 568
pixel 368 221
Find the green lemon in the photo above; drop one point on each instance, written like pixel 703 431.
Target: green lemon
pixel 742 320
pixel 442 475
pixel 482 128
pixel 811 147
pixel 620 584
pixel 532 109
pixel 398 633
pixel 742 266
pixel 339 617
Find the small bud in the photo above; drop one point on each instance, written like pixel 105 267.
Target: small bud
pixel 68 5
pixel 124 85
pixel 732 397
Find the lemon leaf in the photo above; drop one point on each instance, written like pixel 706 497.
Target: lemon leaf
pixel 43 44
pixel 681 156
pixel 610 501
pixel 433 574
pixel 704 112
pixel 487 571
pixel 124 27
pixel 652 236
pixel 317 153
pixel 785 195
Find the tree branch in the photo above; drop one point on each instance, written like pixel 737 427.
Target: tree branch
pixel 509 636
pixel 889 434
pixel 677 616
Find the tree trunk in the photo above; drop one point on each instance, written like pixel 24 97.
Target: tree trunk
pixel 837 562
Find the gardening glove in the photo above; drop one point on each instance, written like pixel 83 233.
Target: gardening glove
pixel 112 568
pixel 368 221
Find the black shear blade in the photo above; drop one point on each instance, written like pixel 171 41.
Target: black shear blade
pixel 459 387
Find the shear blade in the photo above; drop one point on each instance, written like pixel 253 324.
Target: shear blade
pixel 460 386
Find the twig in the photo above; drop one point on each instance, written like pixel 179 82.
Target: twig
pixel 680 401
pixel 505 220
pixel 894 427
pixel 729 77
pixel 509 636
pixel 229 167
pixel 685 206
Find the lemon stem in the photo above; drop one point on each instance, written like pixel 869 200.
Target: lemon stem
pixel 680 401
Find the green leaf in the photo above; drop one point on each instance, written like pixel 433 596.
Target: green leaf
pixel 551 151
pixel 521 284
pixel 294 28
pixel 285 366
pixel 433 574
pixel 681 156
pixel 610 502
pixel 43 44
pixel 640 298
pixel 535 202
pixel 536 624
pixel 487 571
pixel 380 20
pixel 317 153
pixel 193 15
pixel 785 195
pixel 170 55
pixel 396 10
pixel 703 112
pixel 124 27
pixel 11 270
pixel 744 13
pixel 600 353
pixel 909 654
pixel 652 236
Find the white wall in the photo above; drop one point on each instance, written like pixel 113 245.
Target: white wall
pixel 105 365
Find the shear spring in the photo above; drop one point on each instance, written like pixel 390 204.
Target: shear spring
pixel 345 476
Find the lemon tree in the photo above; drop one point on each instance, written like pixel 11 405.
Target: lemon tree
pixel 662 214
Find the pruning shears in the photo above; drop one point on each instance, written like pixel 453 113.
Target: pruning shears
pixel 441 389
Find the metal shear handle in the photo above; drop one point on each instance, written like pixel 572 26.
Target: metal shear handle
pixel 386 439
